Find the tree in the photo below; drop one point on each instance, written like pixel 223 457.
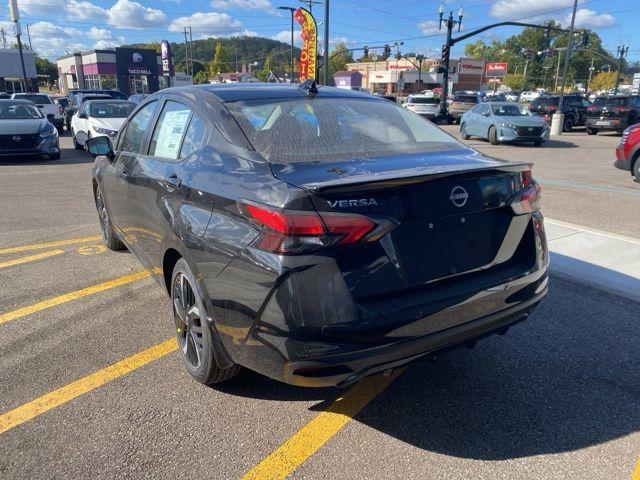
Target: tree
pixel 514 81
pixel 263 73
pixel 201 77
pixel 45 67
pixel 339 58
pixel 603 81
pixel 220 62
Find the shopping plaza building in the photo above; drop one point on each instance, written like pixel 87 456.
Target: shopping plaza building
pixel 129 70
pixel 401 76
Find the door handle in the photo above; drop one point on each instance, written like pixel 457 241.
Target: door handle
pixel 172 182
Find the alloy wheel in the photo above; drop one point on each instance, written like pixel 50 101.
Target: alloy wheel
pixel 102 213
pixel 188 321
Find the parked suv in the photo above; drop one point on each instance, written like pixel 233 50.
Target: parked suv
pixel 574 107
pixel 613 113
pixel 628 151
pixel 317 235
pixel 49 110
pixel 424 105
pixel 463 102
pixel 76 101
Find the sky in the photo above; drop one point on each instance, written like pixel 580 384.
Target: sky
pixel 60 26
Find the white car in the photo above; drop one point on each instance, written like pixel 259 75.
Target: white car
pixel 424 105
pixel 99 118
pixel 50 110
pixel 529 96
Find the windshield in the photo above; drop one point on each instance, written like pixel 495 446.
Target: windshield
pixel 544 101
pixel 38 99
pixel 19 111
pixel 466 98
pixel 334 129
pixel 427 100
pixel 510 111
pixel 611 101
pixel 110 110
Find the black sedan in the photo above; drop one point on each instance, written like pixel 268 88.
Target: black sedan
pixel 24 131
pixel 317 235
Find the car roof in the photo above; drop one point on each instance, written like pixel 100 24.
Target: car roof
pixel 106 100
pixel 12 101
pixel 233 92
pixel 501 104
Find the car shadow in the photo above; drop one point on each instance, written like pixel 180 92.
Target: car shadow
pixel 68 157
pixel 565 379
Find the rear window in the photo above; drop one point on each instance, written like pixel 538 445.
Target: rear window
pixel 110 110
pixel 611 101
pixel 426 100
pixel 334 129
pixel 466 98
pixel 544 101
pixel 37 99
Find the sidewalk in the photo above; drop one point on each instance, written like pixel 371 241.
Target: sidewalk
pixel 604 260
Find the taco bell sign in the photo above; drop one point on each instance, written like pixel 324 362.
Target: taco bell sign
pixel 165 56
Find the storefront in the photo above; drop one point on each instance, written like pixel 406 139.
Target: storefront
pixel 129 70
pixel 11 78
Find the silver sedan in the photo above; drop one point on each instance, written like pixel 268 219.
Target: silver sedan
pixel 501 122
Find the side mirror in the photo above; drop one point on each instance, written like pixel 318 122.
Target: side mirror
pixel 82 115
pixel 486 114
pixel 99 146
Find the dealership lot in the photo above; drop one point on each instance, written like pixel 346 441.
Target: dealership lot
pixel 557 397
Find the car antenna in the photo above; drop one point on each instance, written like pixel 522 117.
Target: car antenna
pixel 309 86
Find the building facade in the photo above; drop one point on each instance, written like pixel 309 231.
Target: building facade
pixel 129 70
pixel 11 78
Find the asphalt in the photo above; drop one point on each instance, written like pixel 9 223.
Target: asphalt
pixel 557 397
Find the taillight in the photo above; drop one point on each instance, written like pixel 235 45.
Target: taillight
pixel 620 109
pixel 591 108
pixel 529 197
pixel 551 107
pixel 296 231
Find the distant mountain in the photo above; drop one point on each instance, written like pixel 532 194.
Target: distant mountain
pixel 249 49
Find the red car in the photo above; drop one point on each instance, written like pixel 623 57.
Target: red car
pixel 628 151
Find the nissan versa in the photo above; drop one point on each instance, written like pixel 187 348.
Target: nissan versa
pixel 317 235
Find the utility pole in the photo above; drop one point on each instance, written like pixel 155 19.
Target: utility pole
pixel 622 51
pixel 591 69
pixel 557 120
pixel 325 72
pixel 292 11
pixel 29 37
pixel 446 52
pixel 558 69
pixel 186 49
pixel 191 51
pixel 15 17
pixel 310 3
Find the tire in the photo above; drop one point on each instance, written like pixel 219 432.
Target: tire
pixel 493 138
pixel 463 132
pixel 111 241
pixel 537 143
pixel 592 131
pixel 635 168
pixel 76 145
pixel 60 129
pixel 55 156
pixel 567 126
pixel 192 331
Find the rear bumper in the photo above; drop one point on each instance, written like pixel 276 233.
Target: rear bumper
pixel 607 124
pixel 344 369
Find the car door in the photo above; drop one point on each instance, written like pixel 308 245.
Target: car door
pixel 120 179
pixel 480 126
pixel 165 205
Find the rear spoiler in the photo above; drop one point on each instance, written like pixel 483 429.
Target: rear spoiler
pixel 408 176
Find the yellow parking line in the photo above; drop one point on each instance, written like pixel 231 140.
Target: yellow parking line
pixel 30 258
pixel 304 443
pixel 636 472
pixel 62 395
pixel 42 246
pixel 67 297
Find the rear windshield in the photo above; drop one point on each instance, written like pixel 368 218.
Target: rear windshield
pixel 38 99
pixel 334 129
pixel 427 100
pixel 611 101
pixel 466 98
pixel 20 111
pixel 544 101
pixel 110 110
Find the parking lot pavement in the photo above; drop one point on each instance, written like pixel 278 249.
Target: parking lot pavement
pixel 557 397
pixel 580 183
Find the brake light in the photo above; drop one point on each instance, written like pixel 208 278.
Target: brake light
pixel 296 231
pixel 551 107
pixel 529 198
pixel 620 109
pixel 591 108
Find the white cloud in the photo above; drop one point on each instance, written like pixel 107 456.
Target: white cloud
pixel 47 29
pixel 244 4
pixel 586 18
pixel 341 39
pixel 211 24
pixel 508 9
pixel 128 14
pixel 284 36
pixel 429 27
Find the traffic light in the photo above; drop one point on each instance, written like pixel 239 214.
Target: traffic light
pixel 365 52
pixel 445 51
pixel 386 53
pixel 585 39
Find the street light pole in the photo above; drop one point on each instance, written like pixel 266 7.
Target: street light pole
pixel 15 17
pixel 449 23
pixel 292 10
pixel 622 51
pixel 325 72
pixel 557 120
